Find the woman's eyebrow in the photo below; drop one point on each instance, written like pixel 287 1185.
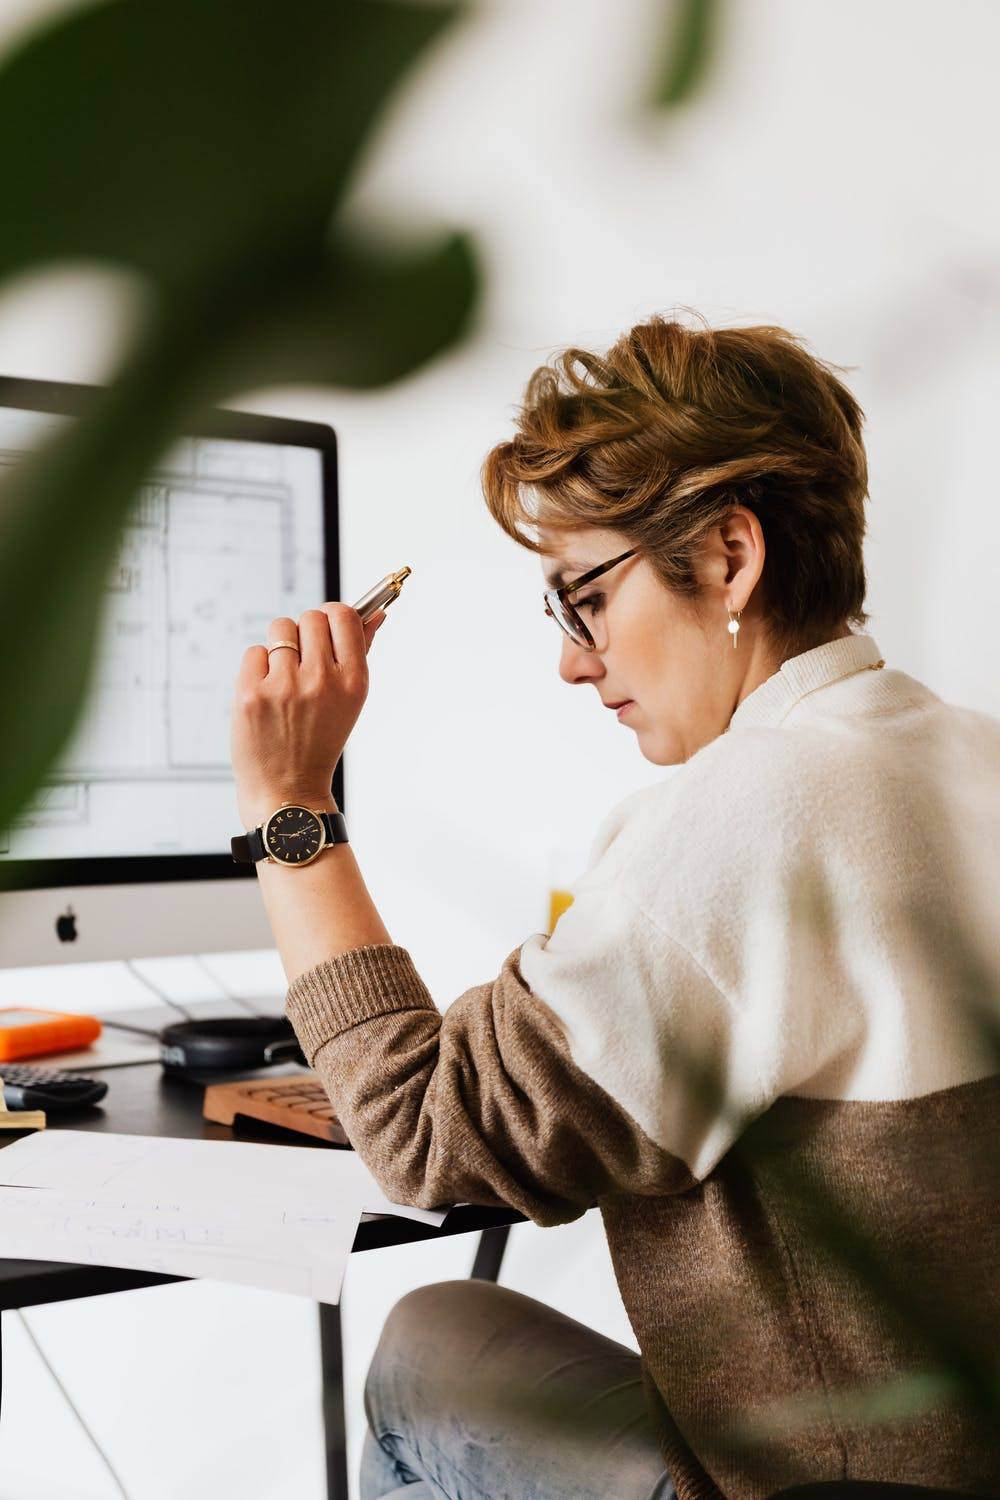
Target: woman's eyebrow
pixel 569 566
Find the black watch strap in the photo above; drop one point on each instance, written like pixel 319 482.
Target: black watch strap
pixel 248 848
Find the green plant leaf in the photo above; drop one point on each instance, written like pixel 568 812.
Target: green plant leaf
pixel 690 28
pixel 181 137
pixel 205 144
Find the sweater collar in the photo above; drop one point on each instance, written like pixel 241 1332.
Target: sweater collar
pixel 799 675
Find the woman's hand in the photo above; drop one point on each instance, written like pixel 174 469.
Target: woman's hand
pixel 292 715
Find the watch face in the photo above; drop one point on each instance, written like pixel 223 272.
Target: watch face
pixel 293 835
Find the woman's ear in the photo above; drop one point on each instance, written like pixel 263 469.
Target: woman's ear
pixel 741 542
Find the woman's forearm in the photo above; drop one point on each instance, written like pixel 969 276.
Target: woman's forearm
pixel 320 910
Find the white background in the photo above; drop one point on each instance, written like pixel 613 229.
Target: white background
pixel 836 176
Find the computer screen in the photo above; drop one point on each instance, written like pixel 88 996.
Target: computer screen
pixel 123 851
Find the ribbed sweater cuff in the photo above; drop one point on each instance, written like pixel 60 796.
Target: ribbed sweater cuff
pixel 351 987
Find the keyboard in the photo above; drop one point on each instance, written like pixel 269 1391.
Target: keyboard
pixel 296 1103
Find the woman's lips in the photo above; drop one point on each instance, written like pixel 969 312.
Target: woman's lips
pixel 625 707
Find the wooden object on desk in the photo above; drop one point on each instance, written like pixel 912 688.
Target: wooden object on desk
pixel 296 1103
pixel 19 1119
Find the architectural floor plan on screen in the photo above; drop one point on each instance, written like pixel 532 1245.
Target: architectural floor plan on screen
pixel 222 538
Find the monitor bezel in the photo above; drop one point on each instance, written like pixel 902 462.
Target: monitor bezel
pixel 64 398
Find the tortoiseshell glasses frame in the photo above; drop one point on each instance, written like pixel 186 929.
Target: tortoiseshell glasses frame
pixel 557 603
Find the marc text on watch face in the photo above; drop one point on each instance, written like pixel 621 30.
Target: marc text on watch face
pixel 293 835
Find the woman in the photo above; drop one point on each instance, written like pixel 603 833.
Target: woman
pixel 751 1039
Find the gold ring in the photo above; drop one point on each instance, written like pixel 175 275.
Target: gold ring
pixel 278 645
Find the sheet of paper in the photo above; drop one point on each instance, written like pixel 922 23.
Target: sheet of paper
pixel 281 1250
pixel 131 1167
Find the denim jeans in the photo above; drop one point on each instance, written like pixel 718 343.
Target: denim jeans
pixel 479 1393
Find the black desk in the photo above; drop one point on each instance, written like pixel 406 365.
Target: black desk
pixel 142 1101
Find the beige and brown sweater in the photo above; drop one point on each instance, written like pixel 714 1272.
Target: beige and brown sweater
pixel 763 1039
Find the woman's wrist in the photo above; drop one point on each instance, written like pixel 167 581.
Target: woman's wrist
pixel 255 808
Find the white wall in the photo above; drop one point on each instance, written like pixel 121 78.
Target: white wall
pixel 834 177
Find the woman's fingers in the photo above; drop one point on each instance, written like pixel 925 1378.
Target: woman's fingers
pixel 371 627
pixel 252 669
pixel 350 647
pixel 283 664
pixel 317 647
pixel 317 635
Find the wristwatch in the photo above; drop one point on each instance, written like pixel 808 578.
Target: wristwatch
pixel 292 835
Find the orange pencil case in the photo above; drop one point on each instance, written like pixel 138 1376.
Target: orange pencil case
pixel 26 1032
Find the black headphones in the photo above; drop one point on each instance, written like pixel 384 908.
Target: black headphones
pixel 244 1043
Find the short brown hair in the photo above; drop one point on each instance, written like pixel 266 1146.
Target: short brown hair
pixel 670 429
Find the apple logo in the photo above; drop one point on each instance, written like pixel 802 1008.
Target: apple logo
pixel 66 926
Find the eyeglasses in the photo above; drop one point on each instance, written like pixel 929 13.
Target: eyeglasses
pixel 557 602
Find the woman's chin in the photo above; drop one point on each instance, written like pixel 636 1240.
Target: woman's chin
pixel 657 751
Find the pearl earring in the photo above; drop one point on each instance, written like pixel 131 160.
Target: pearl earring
pixel 734 624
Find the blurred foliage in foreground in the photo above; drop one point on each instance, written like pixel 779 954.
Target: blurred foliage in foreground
pixel 207 146
pixel 691 27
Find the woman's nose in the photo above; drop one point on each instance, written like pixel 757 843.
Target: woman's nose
pixel 577 664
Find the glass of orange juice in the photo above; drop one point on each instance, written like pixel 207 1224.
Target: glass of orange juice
pixel 566 862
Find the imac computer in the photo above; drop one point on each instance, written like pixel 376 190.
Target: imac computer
pixel 123 850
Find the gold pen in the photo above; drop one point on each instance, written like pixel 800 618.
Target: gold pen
pixel 382 595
